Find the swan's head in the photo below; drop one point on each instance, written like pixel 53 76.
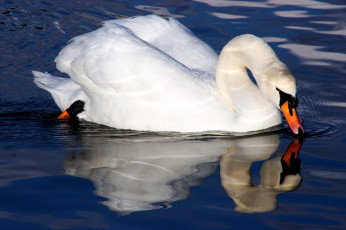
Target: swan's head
pixel 72 112
pixel 279 86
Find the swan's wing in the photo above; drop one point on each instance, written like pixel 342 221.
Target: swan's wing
pixel 172 38
pixel 132 84
pixel 63 90
pixel 114 60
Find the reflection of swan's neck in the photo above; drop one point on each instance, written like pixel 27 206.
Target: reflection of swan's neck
pixel 236 178
pixel 242 53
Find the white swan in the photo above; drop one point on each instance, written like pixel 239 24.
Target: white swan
pixel 152 74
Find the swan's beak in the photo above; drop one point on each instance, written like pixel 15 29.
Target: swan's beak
pixel 72 112
pixel 292 118
pixel 64 115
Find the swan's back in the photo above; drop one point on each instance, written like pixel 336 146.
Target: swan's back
pixel 169 36
pixel 172 38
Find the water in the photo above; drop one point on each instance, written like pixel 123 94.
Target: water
pixel 61 175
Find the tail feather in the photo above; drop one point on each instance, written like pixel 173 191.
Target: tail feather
pixel 63 90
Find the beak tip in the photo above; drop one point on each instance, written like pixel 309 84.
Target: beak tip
pixel 300 134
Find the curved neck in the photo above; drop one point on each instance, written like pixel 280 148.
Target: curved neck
pixel 242 53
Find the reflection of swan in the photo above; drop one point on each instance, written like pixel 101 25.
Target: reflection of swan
pixel 280 174
pixel 148 73
pixel 135 175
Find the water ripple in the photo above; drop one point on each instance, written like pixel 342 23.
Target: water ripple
pixel 292 14
pixel 311 53
pixel 308 4
pixel 329 174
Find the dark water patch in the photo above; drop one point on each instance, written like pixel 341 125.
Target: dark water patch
pixel 321 129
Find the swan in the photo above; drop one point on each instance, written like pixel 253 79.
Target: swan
pixel 148 73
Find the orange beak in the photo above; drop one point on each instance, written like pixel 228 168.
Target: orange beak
pixel 64 115
pixel 292 118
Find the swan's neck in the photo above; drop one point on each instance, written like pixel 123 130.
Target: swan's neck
pixel 234 85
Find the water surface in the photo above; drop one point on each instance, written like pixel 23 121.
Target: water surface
pixel 67 175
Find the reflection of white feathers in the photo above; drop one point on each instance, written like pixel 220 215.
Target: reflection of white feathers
pixel 136 175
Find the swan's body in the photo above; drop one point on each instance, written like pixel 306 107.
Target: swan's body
pixel 148 73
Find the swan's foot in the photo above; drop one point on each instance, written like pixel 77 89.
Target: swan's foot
pixel 72 111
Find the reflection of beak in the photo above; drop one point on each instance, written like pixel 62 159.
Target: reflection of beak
pixel 292 152
pixel 64 115
pixel 290 161
pixel 292 118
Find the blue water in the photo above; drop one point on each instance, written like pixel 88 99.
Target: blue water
pixel 66 175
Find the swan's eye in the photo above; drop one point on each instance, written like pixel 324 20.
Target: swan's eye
pixel 292 101
pixel 76 108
